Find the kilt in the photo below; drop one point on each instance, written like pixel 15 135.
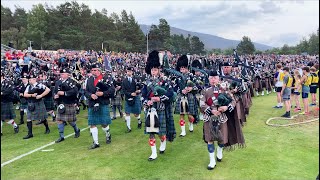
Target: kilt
pixel 69 115
pixel 7 111
pixel 39 113
pixel 135 109
pixel 48 102
pixel 116 101
pixel 171 131
pixel 208 134
pixel 258 85
pixel 100 117
pixel 192 103
pixel 162 119
pixel 268 84
pixel 23 105
pixel 263 83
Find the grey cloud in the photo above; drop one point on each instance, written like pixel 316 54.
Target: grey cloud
pixel 269 7
pixel 215 17
pixel 289 38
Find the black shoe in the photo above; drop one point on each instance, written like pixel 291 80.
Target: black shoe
pixel 65 123
pixel 108 139
pixel 39 122
pixel 128 130
pixel 121 115
pixel 94 146
pixel 151 159
pixel 77 134
pixel 16 129
pixel 113 118
pixel 84 107
pixel 59 140
pixel 210 168
pixel 161 152
pixel 53 119
pixel 21 122
pixel 1 134
pixel 219 160
pixel 28 136
pixel 47 131
pixel 286 115
pixel 139 125
pixel 190 131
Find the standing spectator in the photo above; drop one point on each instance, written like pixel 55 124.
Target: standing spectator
pixel 286 91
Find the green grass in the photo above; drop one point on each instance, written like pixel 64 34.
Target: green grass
pixel 270 153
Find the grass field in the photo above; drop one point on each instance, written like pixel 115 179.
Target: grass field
pixel 270 153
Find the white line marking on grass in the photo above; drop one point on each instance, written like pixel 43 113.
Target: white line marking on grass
pixel 35 150
pixel 290 124
pixel 46 150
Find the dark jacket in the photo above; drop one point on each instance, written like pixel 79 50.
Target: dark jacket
pixel 71 91
pixel 91 89
pixel 128 87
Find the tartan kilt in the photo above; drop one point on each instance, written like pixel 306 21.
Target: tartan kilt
pixel 117 101
pixel 171 131
pixel 192 103
pixel 257 85
pixel 7 111
pixel 263 83
pixel 23 105
pixel 40 112
pixel 49 103
pixel 69 115
pixel 162 119
pixel 209 137
pixel 135 109
pixel 100 117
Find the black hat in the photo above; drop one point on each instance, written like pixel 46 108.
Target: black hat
pixel 196 64
pixel 226 64
pixel 25 76
pixel 182 62
pixel 235 65
pixel 65 70
pixel 96 65
pixel 129 68
pixel 213 73
pixel 153 61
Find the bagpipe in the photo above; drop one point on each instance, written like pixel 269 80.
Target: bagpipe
pixel 152 120
pixel 104 84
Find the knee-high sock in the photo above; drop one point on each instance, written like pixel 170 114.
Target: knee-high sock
pixel 29 125
pixel 106 130
pixel 61 130
pixel 12 123
pixel 211 156
pixel 21 116
pixel 152 143
pixel 1 126
pixel 45 123
pixel 94 132
pixel 128 120
pixel 139 119
pixel 74 125
pixel 183 127
pixel 219 151
pixel 52 114
pixel 163 143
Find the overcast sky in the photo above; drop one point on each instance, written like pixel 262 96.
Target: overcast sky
pixel 273 23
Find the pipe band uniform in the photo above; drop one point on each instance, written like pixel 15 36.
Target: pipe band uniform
pixel 158 96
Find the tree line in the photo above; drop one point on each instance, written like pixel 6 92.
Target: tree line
pixel 75 26
pixel 309 46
